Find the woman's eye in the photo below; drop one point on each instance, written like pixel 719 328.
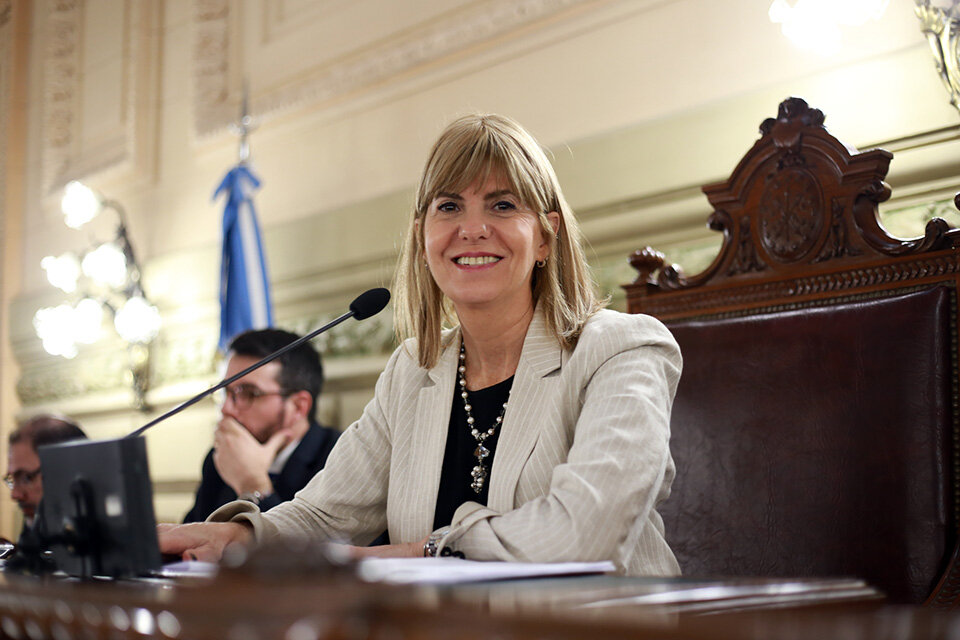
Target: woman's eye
pixel 447 207
pixel 504 205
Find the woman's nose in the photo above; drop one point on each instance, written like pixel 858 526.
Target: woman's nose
pixel 473 226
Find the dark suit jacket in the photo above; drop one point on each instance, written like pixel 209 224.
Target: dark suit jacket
pixel 305 461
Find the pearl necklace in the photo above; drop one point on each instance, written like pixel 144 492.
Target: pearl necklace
pixel 479 472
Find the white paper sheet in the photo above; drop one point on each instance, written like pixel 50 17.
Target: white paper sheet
pixel 188 568
pixel 456 571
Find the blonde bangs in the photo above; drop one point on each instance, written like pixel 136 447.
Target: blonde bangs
pixel 474 154
pixel 475 148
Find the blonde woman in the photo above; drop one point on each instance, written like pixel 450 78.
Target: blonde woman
pixel 518 420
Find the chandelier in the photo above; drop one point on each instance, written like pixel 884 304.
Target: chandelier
pixel 940 22
pixel 815 25
pixel 104 282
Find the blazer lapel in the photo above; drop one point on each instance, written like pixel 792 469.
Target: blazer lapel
pixel 430 433
pixel 541 355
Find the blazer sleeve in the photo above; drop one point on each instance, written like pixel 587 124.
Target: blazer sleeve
pixel 619 465
pixel 346 501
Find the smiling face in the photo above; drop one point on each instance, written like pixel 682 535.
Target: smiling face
pixel 481 245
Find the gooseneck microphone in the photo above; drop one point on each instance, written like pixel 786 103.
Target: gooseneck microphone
pixel 369 303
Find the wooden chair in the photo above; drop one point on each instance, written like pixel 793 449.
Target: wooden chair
pixel 815 430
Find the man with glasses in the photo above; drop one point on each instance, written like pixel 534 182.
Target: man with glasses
pixel 268 444
pixel 23 464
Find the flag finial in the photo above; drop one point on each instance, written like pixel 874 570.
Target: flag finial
pixel 245 125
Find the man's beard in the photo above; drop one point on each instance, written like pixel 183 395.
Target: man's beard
pixel 28 518
pixel 274 427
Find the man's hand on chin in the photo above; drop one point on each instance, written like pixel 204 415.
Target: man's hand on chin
pixel 241 461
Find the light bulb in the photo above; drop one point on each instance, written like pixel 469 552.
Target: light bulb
pixel 137 320
pixel 54 327
pixel 80 204
pixel 62 271
pixel 106 265
pixel 815 24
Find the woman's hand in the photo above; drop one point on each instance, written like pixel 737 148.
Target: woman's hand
pixel 402 550
pixel 201 540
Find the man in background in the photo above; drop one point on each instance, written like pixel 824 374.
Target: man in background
pixel 268 443
pixel 23 464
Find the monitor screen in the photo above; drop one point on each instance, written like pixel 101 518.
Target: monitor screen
pixel 97 508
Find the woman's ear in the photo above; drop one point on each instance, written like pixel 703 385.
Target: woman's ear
pixel 554 219
pixel 543 251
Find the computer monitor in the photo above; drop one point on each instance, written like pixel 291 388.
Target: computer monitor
pixel 97 508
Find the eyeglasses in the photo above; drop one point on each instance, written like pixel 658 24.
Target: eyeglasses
pixel 244 395
pixel 22 478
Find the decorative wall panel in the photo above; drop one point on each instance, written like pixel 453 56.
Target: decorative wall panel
pixel 6 73
pixel 100 89
pixel 329 63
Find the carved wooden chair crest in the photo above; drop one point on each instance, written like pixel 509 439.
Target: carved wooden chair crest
pixel 815 429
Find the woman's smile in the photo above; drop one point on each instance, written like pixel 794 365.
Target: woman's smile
pixel 476 261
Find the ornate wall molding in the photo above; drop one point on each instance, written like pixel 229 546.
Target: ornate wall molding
pixel 60 88
pixel 211 65
pixel 80 140
pixel 217 84
pixel 6 77
pixel 183 353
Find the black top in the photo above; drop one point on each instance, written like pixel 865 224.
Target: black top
pixel 458 457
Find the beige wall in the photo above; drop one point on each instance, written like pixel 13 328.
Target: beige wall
pixel 640 101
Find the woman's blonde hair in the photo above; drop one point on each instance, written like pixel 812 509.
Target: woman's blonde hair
pixel 474 147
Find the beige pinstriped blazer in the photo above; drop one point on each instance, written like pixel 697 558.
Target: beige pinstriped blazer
pixel 582 460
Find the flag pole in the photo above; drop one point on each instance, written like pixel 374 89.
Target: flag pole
pixel 244 285
pixel 245 125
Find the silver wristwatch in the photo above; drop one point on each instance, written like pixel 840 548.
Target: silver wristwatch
pixel 430 546
pixel 252 496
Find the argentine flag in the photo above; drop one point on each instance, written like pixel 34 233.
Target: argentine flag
pixel 244 288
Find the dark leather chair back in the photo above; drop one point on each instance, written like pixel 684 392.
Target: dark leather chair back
pixel 815 426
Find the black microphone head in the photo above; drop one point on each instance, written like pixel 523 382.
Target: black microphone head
pixel 369 303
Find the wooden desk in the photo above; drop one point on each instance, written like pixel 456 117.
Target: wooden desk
pixel 309 602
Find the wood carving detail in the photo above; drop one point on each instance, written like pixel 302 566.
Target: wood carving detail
pixel 646 261
pixel 811 199
pixel 813 285
pixel 790 215
pixel 746 259
pixel 837 244
pixel 792 115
